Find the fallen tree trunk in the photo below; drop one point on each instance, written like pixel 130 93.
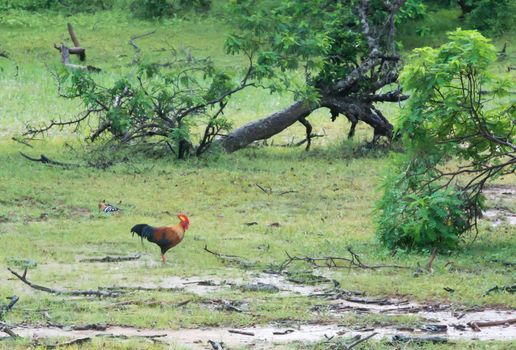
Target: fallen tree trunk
pixel 354 108
pixel 267 127
pixel 352 92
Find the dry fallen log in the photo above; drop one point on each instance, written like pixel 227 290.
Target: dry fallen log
pixel 97 293
pixel 476 325
pixel 109 259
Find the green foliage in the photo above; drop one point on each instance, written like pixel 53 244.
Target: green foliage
pixel 152 9
pixel 411 10
pixel 70 6
pixel 492 17
pixel 430 203
pixel 323 38
pixel 418 218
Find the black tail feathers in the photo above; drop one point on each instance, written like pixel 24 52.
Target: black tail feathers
pixel 143 230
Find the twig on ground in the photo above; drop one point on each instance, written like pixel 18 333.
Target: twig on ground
pixel 361 340
pixel 133 44
pixel 6 329
pixel 508 289
pixel 98 293
pixel 77 341
pixel 286 331
pixel 401 338
pixel 269 190
pixel 265 190
pixel 230 258
pixel 236 331
pixel 476 325
pixel 332 262
pixel 45 160
pixel 3 327
pixel 89 327
pixel 109 258
pixel 123 336
pixel 183 303
pixel 139 288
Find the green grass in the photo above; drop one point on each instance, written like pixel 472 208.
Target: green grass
pixel 48 215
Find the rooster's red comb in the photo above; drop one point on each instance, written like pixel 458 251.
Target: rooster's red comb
pixel 183 217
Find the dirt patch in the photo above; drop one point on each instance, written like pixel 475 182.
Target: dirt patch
pixel 441 320
pixel 499 213
pixel 269 336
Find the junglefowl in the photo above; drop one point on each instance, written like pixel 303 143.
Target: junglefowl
pixel 165 237
pixel 107 208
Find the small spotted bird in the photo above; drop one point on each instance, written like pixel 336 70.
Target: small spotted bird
pixel 107 208
pixel 165 237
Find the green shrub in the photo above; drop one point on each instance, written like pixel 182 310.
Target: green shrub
pixel 419 217
pixel 458 111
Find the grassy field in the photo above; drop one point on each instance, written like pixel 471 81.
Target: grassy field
pixel 49 219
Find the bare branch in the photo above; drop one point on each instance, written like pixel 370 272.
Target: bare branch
pixel 97 293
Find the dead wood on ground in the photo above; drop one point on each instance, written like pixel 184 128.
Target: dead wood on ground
pixel 78 341
pixel 4 310
pixel 496 289
pixel 97 293
pixel 230 258
pixel 476 325
pixel 236 331
pixel 45 160
pixel 335 262
pixel 76 50
pixel 109 259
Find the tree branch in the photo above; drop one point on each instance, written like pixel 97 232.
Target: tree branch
pixel 97 293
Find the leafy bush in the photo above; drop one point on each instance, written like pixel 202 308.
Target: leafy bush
pixel 418 217
pixel 458 111
pixel 168 106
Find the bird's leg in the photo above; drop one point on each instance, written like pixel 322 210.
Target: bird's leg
pixel 163 258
